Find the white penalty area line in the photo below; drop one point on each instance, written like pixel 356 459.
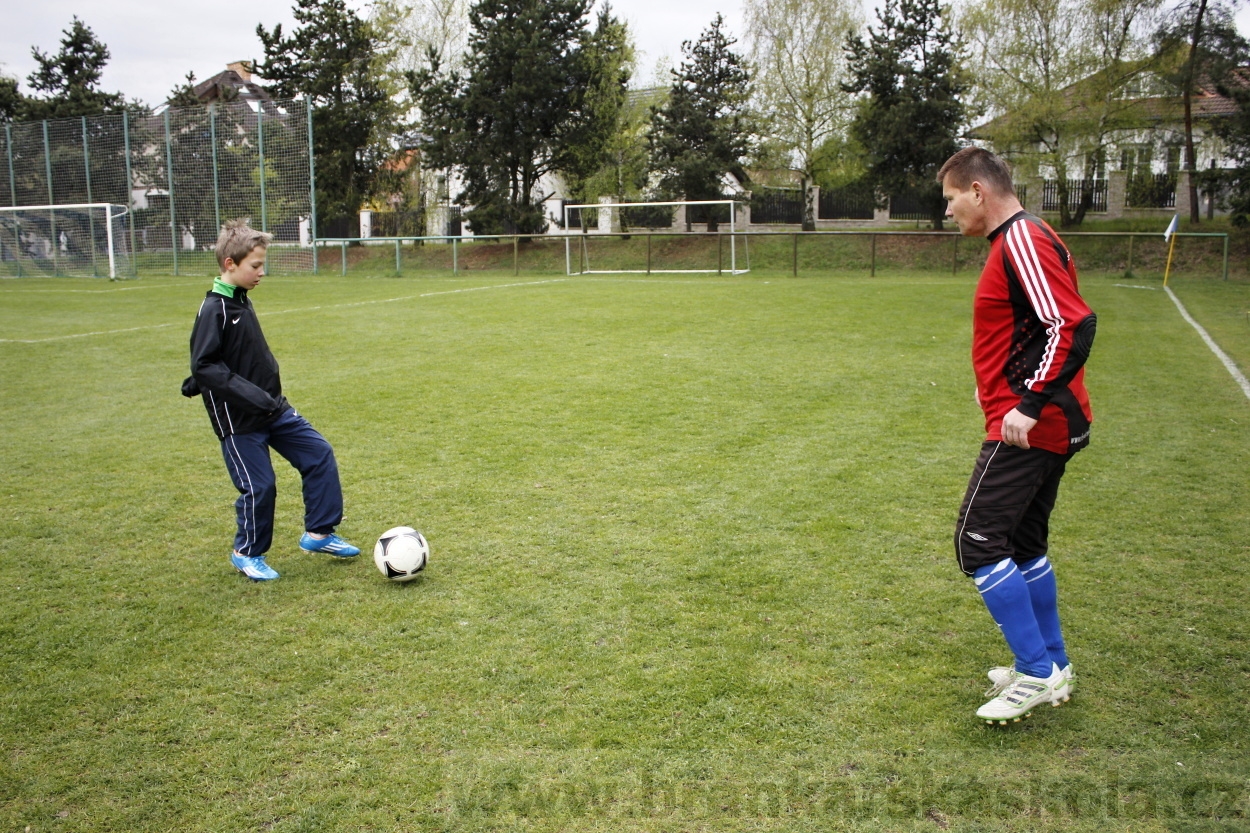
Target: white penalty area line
pixel 82 335
pixel 1237 375
pixel 283 312
pixel 411 297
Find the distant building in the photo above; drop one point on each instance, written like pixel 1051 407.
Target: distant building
pixel 234 84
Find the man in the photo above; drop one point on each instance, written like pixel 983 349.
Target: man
pixel 1031 336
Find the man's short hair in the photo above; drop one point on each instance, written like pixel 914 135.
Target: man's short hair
pixel 973 164
pixel 237 239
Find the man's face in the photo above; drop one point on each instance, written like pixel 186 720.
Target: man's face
pixel 966 207
pixel 247 273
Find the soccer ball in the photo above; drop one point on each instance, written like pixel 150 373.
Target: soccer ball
pixel 401 553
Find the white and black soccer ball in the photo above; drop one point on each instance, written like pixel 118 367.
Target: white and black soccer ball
pixel 401 553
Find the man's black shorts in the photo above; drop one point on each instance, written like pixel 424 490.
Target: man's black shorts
pixel 1006 511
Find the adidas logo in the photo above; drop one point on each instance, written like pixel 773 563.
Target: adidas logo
pixel 976 537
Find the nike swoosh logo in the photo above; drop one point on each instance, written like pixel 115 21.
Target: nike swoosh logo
pixel 236 321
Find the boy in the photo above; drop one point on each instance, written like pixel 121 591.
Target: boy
pixel 232 367
pixel 1031 335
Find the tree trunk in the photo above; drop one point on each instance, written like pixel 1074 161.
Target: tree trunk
pixel 809 213
pixel 1190 162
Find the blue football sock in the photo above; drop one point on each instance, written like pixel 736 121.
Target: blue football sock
pixel 1040 578
pixel 1005 593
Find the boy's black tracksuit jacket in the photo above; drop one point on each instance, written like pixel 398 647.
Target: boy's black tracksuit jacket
pixel 232 366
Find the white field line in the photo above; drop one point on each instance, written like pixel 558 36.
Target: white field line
pixel 283 312
pixel 1134 286
pixel 1237 375
pixel 81 335
pixel 411 297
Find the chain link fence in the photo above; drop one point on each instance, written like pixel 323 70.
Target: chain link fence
pixel 181 173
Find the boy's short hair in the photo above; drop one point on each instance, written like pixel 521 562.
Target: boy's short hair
pixel 973 164
pixel 237 239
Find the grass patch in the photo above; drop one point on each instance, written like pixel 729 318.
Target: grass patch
pixel 691 565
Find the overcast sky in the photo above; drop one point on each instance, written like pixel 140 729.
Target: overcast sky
pixel 154 43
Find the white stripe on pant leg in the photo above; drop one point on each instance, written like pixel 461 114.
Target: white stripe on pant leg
pixel 240 466
pixel 968 511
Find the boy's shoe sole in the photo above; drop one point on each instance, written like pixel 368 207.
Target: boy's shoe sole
pixel 1001 676
pixel 254 567
pixel 330 545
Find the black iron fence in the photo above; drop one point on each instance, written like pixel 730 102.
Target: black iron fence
pixel 854 202
pixel 1078 189
pixel 777 205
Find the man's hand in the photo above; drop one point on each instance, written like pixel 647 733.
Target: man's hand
pixel 1016 428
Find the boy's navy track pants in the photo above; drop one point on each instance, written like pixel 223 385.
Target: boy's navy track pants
pixel 247 460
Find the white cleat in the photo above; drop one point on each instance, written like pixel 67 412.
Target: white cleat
pixel 1002 676
pixel 1020 694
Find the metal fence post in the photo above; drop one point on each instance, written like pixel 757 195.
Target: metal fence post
pixel 648 253
pixel 212 137
pixel 955 257
pixel 312 184
pixel 455 263
pixel 795 259
pixel 1131 238
pixel 343 247
pixel 1225 256
pixel 86 168
pixel 17 235
pixel 47 164
pixel 130 194
pixel 516 262
pixel 398 271
pixel 720 257
pixel 260 148
pixel 169 177
pixel 873 270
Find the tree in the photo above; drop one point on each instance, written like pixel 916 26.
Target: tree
pixel 69 80
pixel 1205 33
pixel 334 58
pixel 526 102
pixel 800 70
pixel 421 26
pixel 910 69
pixel 600 148
pixel 1057 73
pixel 702 132
pixel 11 99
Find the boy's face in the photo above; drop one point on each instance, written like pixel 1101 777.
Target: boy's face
pixel 246 274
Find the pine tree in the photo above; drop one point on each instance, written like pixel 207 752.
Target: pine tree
pixel 909 120
pixel 69 80
pixel 334 59
pixel 703 132
pixel 522 108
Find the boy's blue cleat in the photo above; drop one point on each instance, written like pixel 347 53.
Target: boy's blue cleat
pixel 254 567
pixel 331 544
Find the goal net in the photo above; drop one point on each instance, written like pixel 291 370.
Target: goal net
pixel 87 239
pixel 642 238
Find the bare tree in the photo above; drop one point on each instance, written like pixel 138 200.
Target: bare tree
pixel 422 28
pixel 1055 74
pixel 800 69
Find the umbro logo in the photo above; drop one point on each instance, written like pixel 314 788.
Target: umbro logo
pixel 976 537
pixel 236 321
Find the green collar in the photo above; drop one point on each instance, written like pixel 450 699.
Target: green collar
pixel 223 288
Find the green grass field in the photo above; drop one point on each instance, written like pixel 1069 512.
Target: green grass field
pixel 692 566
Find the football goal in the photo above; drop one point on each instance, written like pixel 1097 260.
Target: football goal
pixel 616 238
pixel 85 239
